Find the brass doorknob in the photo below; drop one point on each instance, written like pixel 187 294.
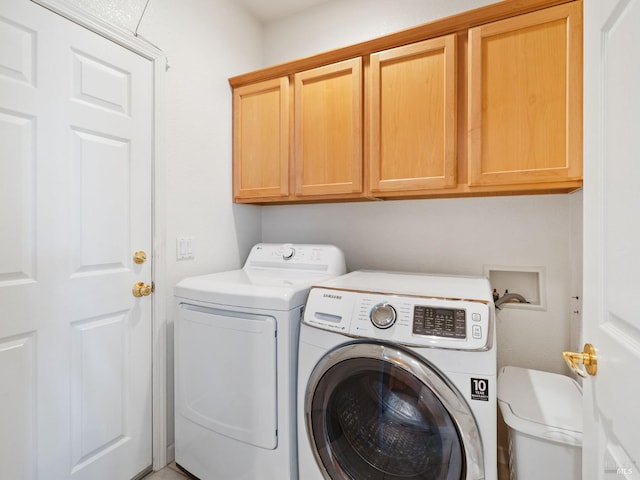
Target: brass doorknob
pixel 141 289
pixel 587 357
pixel 139 257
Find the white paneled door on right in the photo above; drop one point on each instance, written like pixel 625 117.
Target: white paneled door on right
pixel 75 204
pixel 611 238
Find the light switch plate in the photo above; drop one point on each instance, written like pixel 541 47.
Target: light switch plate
pixel 185 248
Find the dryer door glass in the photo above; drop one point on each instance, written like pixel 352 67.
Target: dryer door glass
pixel 371 418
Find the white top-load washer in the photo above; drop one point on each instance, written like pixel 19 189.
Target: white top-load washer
pixel 397 378
pixel 236 337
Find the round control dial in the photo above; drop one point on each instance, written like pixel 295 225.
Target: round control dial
pixel 288 253
pixel 383 315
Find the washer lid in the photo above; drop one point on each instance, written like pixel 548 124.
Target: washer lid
pixel 416 284
pixel 258 289
pixel 542 404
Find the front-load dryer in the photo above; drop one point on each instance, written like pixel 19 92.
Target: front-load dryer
pixel 397 379
pixel 236 337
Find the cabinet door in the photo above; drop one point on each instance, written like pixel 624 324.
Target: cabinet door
pixel 525 98
pixel 413 117
pixel 261 140
pixel 328 129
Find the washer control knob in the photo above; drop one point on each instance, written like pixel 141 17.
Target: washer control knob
pixel 288 253
pixel 383 315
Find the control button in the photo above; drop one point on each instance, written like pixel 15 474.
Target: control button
pixel 383 315
pixel 476 331
pixel 476 317
pixel 288 253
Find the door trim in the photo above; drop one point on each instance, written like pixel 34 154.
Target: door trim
pixel 137 45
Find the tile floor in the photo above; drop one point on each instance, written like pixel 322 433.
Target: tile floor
pixel 170 472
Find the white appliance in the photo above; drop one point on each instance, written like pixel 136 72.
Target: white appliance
pixel 236 337
pixel 397 379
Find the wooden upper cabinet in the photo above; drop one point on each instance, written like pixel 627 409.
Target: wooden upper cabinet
pixel 485 102
pixel 413 117
pixel 525 98
pixel 328 130
pixel 261 140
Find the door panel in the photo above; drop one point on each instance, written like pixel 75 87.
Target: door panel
pixel 611 231
pixel 100 203
pixel 17 391
pixel 75 183
pixel 525 94
pixel 97 397
pixel 413 116
pixel 17 49
pixel 100 84
pixel 328 129
pixel 17 201
pixel 261 140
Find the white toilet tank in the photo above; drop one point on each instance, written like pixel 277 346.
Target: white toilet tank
pixel 544 414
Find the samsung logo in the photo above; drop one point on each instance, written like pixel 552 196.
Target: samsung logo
pixel 329 295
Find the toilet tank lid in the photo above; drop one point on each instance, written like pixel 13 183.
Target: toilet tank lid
pixel 540 403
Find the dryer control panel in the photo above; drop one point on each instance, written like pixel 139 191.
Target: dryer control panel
pixel 296 257
pixel 459 324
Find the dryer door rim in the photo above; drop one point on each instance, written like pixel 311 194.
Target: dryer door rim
pixel 421 369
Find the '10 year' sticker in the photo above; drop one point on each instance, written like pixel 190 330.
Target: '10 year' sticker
pixel 480 389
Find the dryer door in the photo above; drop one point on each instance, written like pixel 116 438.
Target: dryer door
pixel 377 411
pixel 226 373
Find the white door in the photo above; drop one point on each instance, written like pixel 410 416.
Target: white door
pixel 612 237
pixel 75 204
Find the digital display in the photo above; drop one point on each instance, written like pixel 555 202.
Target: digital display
pixel 439 322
